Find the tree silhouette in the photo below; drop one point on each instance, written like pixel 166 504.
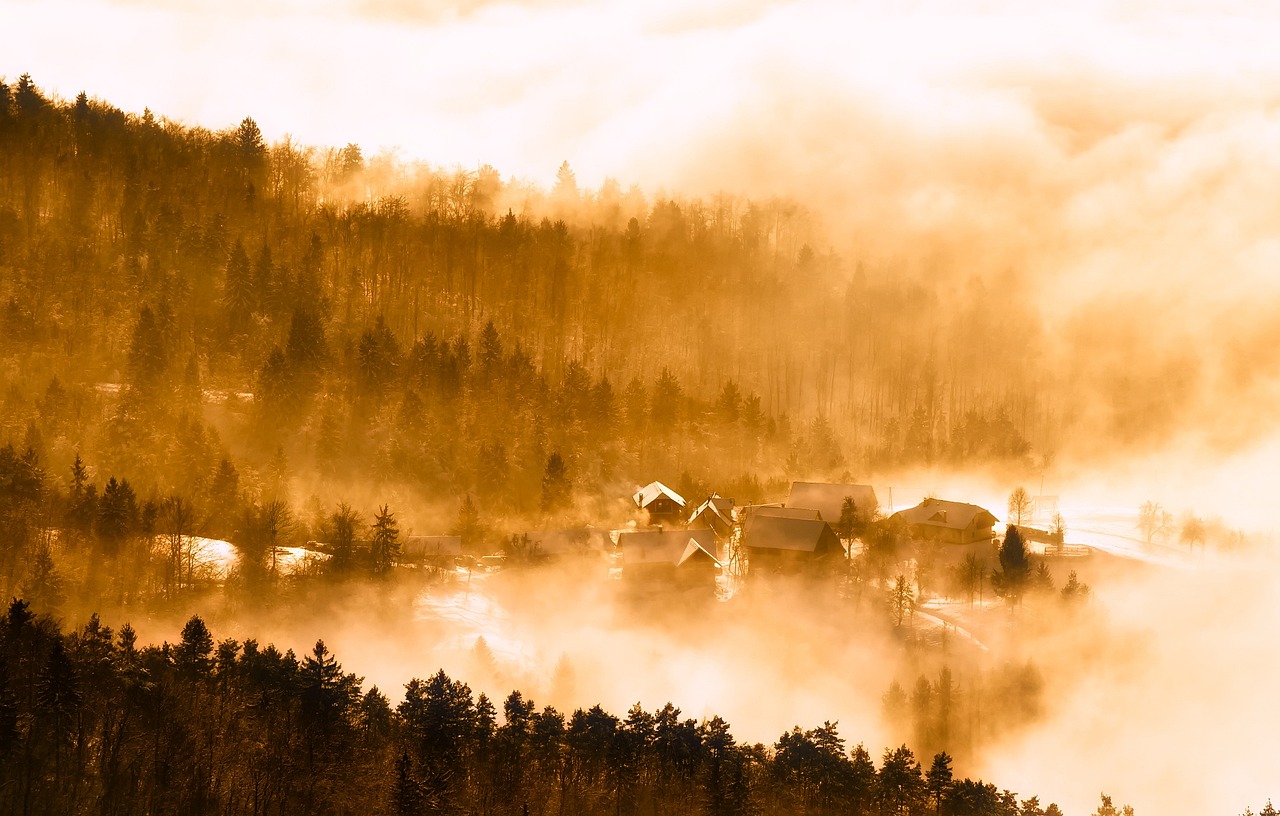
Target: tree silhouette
pixel 1020 506
pixel 901 599
pixel 1010 581
pixel 556 485
pixel 345 524
pixel 386 541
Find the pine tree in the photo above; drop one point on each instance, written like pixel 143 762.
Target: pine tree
pixel 44 588
pixel 468 527
pixel 1011 579
pixel 556 485
pixel 938 779
pixel 386 541
pixel 345 525
pixel 193 654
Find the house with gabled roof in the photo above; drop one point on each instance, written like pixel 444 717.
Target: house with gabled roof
pixel 675 559
pixel 948 522
pixel 716 514
pixel 662 504
pixel 788 540
pixel 828 499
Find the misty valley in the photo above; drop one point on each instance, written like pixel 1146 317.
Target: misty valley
pixel 334 483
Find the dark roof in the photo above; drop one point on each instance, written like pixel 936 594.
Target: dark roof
pixel 773 511
pixel 949 514
pixel 647 494
pixel 768 531
pixel 665 546
pixel 828 499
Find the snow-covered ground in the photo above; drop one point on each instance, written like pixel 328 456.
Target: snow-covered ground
pixel 217 559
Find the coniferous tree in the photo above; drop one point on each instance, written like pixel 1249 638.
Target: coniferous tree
pixel 386 541
pixel 556 485
pixel 1010 581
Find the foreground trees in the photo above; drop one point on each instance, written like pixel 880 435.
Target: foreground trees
pixel 92 723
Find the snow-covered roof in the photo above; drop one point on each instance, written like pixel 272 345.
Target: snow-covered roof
pixel 949 514
pixel 650 492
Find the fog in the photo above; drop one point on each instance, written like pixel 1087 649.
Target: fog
pixel 1112 166
pixel 1113 162
pixel 1157 693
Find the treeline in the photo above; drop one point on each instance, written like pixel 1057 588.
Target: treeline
pixel 173 296
pixel 93 722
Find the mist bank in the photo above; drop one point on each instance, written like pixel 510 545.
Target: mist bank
pixel 1110 163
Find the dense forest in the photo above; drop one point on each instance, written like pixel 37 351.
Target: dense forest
pixel 93 722
pixel 176 297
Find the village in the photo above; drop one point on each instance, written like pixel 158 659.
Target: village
pixel 673 549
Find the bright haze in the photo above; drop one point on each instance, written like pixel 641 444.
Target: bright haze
pixel 1116 158
pixel 1115 163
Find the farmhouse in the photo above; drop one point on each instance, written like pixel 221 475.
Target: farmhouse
pixel 828 499
pixel 663 505
pixel 788 540
pixel 948 522
pixel 716 514
pixel 669 559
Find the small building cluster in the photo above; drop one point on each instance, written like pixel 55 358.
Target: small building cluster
pixel 685 550
pixel 804 536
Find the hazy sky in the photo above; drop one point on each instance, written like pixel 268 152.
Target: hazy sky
pixel 1120 156
pixel 639 90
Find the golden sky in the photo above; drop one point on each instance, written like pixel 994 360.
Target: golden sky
pixel 641 90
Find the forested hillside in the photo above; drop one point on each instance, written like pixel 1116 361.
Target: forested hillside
pixel 176 298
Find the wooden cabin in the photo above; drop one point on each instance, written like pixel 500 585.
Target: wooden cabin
pixel 662 504
pixel 789 540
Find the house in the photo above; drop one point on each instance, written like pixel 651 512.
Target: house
pixel 669 559
pixel 788 540
pixel 434 550
pixel 663 505
pixel 948 522
pixel 828 499
pixel 716 514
